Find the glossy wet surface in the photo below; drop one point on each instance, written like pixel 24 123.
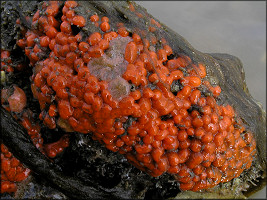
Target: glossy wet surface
pixel 236 28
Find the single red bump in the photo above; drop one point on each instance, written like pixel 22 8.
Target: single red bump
pixel 139 15
pixel 146 43
pixel 78 37
pixel 103 44
pixel 136 94
pixel 201 101
pixel 123 32
pixel 152 29
pixel 168 49
pixel 194 97
pixel 224 123
pixel 36 16
pixel 153 21
pixel 156 153
pixel 211 101
pixel 50 122
pixel 71 57
pixel 206 110
pixel 17 101
pixel 182 135
pixel 95 52
pixel 36 49
pixel 21 43
pixel 70 14
pixel 94 18
pixel 183 154
pixel 142 149
pixel 162 165
pixel 162 55
pixel 104 26
pixel 218 139
pixel 181 62
pixel 39 81
pixel 186 186
pixel 65 27
pixel 52 110
pixel 192 81
pixel 172 65
pixel 94 38
pixel 50 31
pixel 52 21
pixel 195 114
pixel 133 130
pixel 64 51
pixel 61 38
pixel 79 21
pixel 43 21
pixel 240 143
pixel 170 142
pixel 5 165
pixel 52 10
pixel 71 4
pixel 209 148
pixel 148 93
pixel 184 171
pixel 30 40
pixel 104 19
pixel 184 93
pixel 51 44
pixel 75 102
pixel 131 7
pixel 65 109
pixel 110 36
pixel 174 169
pixel 201 70
pixel 194 160
pixel 183 112
pixel 157 94
pixel 216 91
pixel 136 38
pixel 83 46
pixel 147 139
pixel 44 41
pixel 45 72
pixel 197 122
pixel 195 145
pixel 208 137
pixel 130 52
pixel 153 78
pixel 206 119
pixel 73 46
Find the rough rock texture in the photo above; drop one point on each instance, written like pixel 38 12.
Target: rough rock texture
pixel 90 163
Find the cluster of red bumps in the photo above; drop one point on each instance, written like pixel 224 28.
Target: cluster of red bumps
pixel 14 100
pixel 12 170
pixel 153 124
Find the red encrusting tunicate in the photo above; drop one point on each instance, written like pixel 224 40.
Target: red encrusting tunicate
pixel 137 101
pixel 13 99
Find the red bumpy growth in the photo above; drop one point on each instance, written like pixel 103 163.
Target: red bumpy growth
pixel 134 99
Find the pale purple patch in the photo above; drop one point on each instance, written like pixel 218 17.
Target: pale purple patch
pixel 111 66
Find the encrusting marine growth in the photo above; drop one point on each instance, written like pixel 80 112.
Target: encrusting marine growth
pixel 144 103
